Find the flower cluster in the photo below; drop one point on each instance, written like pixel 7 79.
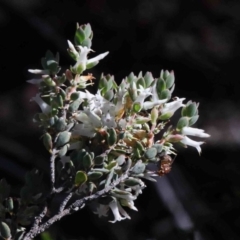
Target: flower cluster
pixel 100 144
pixel 98 137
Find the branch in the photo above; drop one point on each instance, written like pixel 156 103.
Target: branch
pixel 77 205
pixel 52 170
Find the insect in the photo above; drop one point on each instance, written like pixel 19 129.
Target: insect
pixel 165 165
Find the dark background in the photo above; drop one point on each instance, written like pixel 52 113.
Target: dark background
pixel 199 40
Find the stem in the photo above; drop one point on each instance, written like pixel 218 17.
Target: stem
pixel 52 169
pixel 65 201
pixel 77 205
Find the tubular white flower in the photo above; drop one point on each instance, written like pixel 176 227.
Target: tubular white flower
pixel 82 57
pixel 173 106
pixel 38 71
pixel 84 130
pixel 35 81
pixel 117 216
pixel 72 48
pixel 122 211
pixel 149 105
pixel 192 143
pixel 194 132
pixel 44 106
pixel 102 210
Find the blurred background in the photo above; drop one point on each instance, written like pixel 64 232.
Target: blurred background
pixel 199 40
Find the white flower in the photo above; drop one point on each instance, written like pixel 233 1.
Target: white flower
pixel 138 188
pixel 44 106
pixel 192 143
pixel 84 129
pixel 35 81
pixel 149 174
pixel 122 211
pixel 102 210
pixel 82 59
pixel 144 93
pixel 194 132
pixel 173 106
pixel 39 71
pixel 117 216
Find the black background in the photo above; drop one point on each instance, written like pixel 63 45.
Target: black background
pixel 199 40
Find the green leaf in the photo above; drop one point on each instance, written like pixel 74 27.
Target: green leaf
pixel 193 120
pixel 5 231
pixel 79 36
pixel 160 86
pixel 111 165
pixel 170 80
pixel 109 95
pixel 60 124
pixel 111 137
pixel 159 147
pixel 139 167
pixel 63 150
pixel 80 178
pixel 94 176
pixel 87 43
pixel 182 122
pixel 75 96
pixel 99 160
pixel 148 79
pixel 91 65
pixel 150 153
pixel 131 182
pixel 63 138
pixel 165 94
pixel 87 161
pixel 109 178
pixel 141 82
pixel 74 105
pixel 137 107
pixel 87 30
pixel 191 109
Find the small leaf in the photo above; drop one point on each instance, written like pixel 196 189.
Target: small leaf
pixel 150 153
pixel 62 152
pixel 5 231
pixel 87 161
pixel 109 178
pixel 159 147
pixel 99 160
pixel 121 159
pixel 193 120
pixel 80 178
pixel 94 175
pixel 63 138
pixel 165 94
pixel 170 80
pixel 47 141
pixel 60 125
pixel 160 86
pixel 112 136
pixel 182 122
pixel 131 182
pixel 139 167
pixel 79 36
pixel 75 96
pixel 74 105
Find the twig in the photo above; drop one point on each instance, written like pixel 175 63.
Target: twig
pixel 65 201
pixel 52 170
pixel 73 208
pixel 36 223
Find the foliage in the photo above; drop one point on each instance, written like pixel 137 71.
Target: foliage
pixel 100 144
